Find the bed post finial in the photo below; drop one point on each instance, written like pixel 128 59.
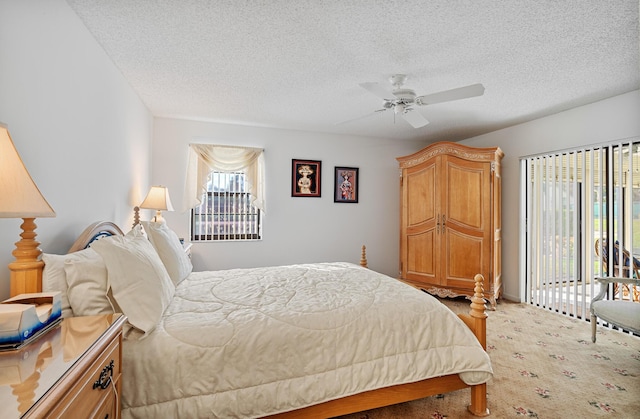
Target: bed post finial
pixel 363 257
pixel 136 216
pixel 478 308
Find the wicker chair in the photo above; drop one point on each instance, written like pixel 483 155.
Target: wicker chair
pixel 629 270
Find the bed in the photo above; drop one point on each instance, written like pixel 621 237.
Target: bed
pixel 306 340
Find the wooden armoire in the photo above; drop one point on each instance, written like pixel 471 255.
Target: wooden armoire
pixel 450 220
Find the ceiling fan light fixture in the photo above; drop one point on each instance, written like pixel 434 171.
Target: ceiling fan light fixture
pixel 399 108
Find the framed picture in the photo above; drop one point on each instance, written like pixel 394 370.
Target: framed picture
pixel 345 185
pixel 305 178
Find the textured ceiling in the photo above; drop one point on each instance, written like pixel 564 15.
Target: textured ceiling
pixel 297 64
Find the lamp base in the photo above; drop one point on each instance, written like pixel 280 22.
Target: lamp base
pixel 26 270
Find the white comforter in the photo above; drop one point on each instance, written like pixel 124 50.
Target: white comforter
pixel 245 343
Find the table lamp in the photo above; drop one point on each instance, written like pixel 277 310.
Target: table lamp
pixel 20 198
pixel 157 199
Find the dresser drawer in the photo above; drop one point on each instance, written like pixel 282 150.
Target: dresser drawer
pixel 97 386
pixel 108 408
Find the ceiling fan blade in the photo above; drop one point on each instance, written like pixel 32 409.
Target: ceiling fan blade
pixel 361 117
pixel 378 90
pixel 414 118
pixel 453 94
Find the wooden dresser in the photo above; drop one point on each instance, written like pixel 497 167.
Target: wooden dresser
pixel 450 226
pixel 73 371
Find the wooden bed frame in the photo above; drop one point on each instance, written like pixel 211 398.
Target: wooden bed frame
pixel 475 320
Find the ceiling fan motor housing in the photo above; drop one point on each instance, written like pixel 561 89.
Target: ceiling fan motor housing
pixel 404 93
pixel 402 100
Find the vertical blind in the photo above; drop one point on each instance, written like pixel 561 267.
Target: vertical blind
pixel 580 206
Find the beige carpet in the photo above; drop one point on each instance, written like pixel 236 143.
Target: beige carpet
pixel 545 366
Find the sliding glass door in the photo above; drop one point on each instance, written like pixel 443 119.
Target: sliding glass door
pixel 581 212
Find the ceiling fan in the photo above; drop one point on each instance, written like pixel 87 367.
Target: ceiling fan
pixel 402 100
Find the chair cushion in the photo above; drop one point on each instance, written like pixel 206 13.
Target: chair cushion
pixel 625 314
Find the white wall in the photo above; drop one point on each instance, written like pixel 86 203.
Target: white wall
pixel 604 121
pixel 82 132
pixel 296 230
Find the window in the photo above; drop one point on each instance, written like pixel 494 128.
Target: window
pixel 225 190
pixel 226 211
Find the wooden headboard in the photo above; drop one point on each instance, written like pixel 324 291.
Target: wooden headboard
pixel 94 232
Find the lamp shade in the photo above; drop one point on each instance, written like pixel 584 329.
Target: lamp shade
pixel 157 199
pixel 19 195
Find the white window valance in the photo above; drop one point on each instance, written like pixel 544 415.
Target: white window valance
pixel 204 158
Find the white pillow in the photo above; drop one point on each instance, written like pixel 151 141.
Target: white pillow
pixel 170 250
pixel 54 278
pixel 140 284
pixel 87 280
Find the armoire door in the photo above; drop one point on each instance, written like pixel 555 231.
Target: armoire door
pixel 419 246
pixel 466 211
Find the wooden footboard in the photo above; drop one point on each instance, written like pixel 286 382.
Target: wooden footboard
pixel 377 398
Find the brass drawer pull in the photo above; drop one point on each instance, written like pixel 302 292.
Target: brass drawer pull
pixel 104 381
